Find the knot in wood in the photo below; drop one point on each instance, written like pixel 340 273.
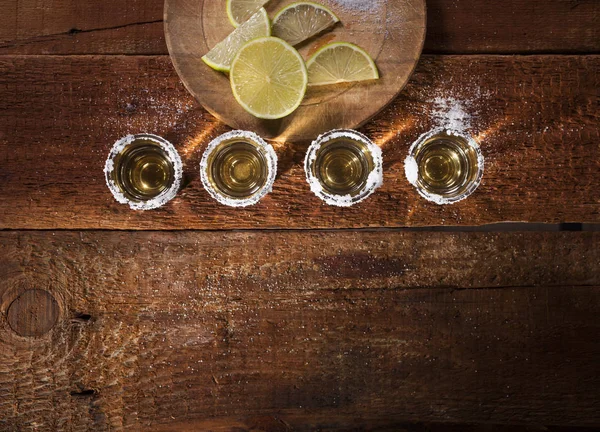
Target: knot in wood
pixel 33 313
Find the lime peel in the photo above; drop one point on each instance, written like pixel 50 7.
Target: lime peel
pixel 300 21
pixel 340 62
pixel 240 11
pixel 221 56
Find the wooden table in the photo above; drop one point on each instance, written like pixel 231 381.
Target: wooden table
pixel 293 315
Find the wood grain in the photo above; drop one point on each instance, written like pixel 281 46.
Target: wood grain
pixel 82 27
pixel 33 313
pixel 276 424
pixel 458 26
pixel 536 119
pixel 302 330
pixel 392 33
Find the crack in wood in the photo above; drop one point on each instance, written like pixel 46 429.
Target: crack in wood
pixel 84 393
pixel 81 318
pixel 72 32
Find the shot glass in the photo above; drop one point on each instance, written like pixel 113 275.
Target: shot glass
pixel 238 168
pixel 143 171
pixel 343 167
pixel 445 166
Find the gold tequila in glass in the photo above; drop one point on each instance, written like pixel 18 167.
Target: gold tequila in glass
pixel 445 166
pixel 143 171
pixel 343 167
pixel 238 168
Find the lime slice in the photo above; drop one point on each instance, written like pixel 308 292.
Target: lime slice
pixel 268 78
pixel 240 11
pixel 340 62
pixel 302 20
pixel 220 57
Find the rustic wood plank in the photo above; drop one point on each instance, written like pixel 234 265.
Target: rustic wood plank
pixel 459 26
pixel 82 27
pixel 521 26
pixel 536 118
pixel 275 424
pixel 303 330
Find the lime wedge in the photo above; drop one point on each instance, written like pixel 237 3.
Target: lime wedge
pixel 302 20
pixel 268 78
pixel 240 11
pixel 340 62
pixel 220 57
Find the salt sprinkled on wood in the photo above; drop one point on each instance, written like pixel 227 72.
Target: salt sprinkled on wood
pixel 450 113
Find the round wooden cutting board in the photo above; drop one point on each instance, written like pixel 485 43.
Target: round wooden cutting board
pixel 391 31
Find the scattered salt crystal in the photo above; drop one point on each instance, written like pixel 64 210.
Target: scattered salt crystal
pixel 451 113
pixel 166 195
pixel 360 5
pixel 362 11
